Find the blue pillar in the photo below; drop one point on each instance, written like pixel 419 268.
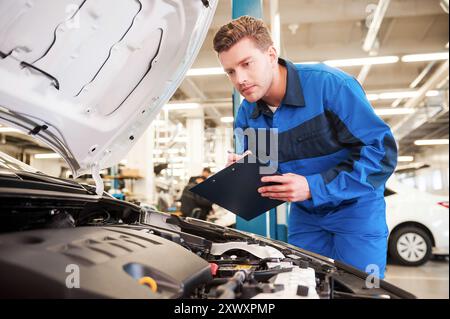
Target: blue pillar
pixel 264 224
pixel 247 7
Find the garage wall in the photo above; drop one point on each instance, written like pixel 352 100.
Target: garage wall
pixel 434 179
pixel 51 167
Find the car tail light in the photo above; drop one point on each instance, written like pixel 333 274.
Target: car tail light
pixel 444 204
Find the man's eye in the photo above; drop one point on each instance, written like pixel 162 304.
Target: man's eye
pixel 230 72
pixel 247 63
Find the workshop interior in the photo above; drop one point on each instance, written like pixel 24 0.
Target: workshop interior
pixel 118 119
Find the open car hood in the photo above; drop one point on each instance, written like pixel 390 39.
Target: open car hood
pixel 87 77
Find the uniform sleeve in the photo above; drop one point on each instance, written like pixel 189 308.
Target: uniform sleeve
pixel 372 149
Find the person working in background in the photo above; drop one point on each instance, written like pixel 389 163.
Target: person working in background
pixel 193 205
pixel 206 172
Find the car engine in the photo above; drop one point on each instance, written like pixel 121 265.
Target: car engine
pixel 98 251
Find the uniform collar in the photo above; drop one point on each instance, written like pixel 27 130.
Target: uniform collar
pixel 294 91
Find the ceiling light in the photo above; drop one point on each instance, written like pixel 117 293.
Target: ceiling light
pixel 363 61
pixel 432 93
pixel 181 106
pixel 227 119
pixel 205 71
pixel 431 142
pixel 47 156
pixel 398 95
pixel 406 158
pixel 394 111
pixel 425 57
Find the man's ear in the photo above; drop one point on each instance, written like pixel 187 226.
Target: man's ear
pixel 273 55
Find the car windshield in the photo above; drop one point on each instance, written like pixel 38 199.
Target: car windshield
pixel 9 162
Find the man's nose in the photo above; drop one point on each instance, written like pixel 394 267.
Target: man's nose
pixel 241 78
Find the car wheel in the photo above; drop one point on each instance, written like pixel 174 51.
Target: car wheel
pixel 410 246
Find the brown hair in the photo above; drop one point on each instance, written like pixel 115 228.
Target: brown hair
pixel 245 26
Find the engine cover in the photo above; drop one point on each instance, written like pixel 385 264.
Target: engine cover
pixel 96 262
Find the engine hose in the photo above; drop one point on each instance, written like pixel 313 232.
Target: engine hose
pixel 227 290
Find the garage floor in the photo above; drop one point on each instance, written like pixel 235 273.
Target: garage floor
pixel 427 281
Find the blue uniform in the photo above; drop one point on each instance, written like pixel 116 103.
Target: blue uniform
pixel 328 132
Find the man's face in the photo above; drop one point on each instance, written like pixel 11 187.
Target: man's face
pixel 199 180
pixel 205 174
pixel 249 69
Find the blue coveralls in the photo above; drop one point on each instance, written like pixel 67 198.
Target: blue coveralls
pixel 328 132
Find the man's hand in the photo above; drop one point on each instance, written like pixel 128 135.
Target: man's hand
pixel 292 188
pixel 232 157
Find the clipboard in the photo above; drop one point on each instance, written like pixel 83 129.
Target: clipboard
pixel 235 188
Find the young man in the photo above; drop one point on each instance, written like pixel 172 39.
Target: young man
pixel 335 154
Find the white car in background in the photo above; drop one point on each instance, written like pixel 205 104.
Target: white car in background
pixel 418 224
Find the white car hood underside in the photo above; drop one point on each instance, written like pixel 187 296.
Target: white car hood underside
pixel 88 76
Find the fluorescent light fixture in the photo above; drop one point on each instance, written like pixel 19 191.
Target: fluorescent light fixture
pixel 405 158
pixel 205 71
pixel 425 57
pixel 394 111
pixel 363 61
pixel 47 156
pixel 372 97
pixel 431 142
pixel 227 119
pixel 9 130
pixel 181 106
pixel 398 95
pixel 432 93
